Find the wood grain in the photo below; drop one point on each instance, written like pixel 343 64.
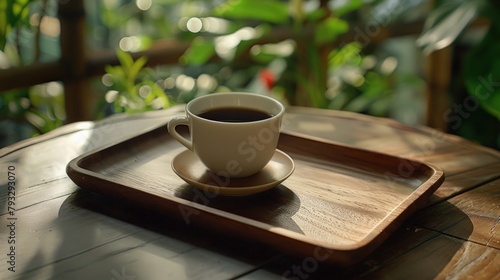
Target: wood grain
pixel 344 199
pixel 411 253
pixel 68 233
pixel 388 136
pixel 480 206
pixel 77 231
pixel 441 257
pixel 464 181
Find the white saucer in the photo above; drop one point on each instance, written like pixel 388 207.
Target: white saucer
pixel 187 166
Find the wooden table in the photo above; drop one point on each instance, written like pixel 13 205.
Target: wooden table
pixel 64 232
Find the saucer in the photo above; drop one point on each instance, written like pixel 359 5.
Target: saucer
pixel 189 167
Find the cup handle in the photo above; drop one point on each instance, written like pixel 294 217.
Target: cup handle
pixel 172 124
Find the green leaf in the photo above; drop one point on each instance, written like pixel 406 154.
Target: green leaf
pixel 12 13
pixel 136 67
pixel 447 22
pixel 265 10
pixel 125 59
pixel 348 6
pixel 4 25
pixel 348 54
pixel 113 70
pixel 329 29
pixel 375 85
pixel 482 73
pixel 316 15
pixel 118 77
pixel 199 52
pixel 158 93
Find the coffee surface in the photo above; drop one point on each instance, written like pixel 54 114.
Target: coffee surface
pixel 234 114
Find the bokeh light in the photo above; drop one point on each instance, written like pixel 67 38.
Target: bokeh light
pixel 50 26
pixel 184 82
pixel 206 82
pixel 111 96
pixel 194 24
pixel 389 65
pixel 130 44
pixel 107 80
pixel 144 4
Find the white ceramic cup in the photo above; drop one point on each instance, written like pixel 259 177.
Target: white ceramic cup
pixel 231 149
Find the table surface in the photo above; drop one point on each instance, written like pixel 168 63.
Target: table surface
pixel 52 229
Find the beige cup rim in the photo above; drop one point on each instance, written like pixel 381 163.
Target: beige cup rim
pixel 278 104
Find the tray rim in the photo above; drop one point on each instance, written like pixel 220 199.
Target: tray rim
pixel 369 242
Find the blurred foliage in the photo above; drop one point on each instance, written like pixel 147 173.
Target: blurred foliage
pixel 229 30
pixel 450 19
pixel 132 90
pixel 263 10
pixel 355 83
pixel 447 23
pixel 482 72
pixel 237 45
pixel 12 14
pixel 39 109
pixel 311 68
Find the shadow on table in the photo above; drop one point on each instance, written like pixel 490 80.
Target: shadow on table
pixel 274 207
pixel 412 252
pixel 146 241
pixel 417 250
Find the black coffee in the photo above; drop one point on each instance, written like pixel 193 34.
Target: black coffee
pixel 233 114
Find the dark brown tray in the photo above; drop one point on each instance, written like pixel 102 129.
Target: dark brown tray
pixel 338 205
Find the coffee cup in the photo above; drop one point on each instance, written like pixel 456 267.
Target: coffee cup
pixel 233 134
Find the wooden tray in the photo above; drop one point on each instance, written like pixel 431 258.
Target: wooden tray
pixel 338 205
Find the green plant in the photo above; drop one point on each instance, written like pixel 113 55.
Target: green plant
pixel 31 111
pixel 447 21
pixel 251 20
pixel 12 15
pixel 131 87
pixel 356 84
pixel 311 73
pixel 475 114
pixel 40 107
